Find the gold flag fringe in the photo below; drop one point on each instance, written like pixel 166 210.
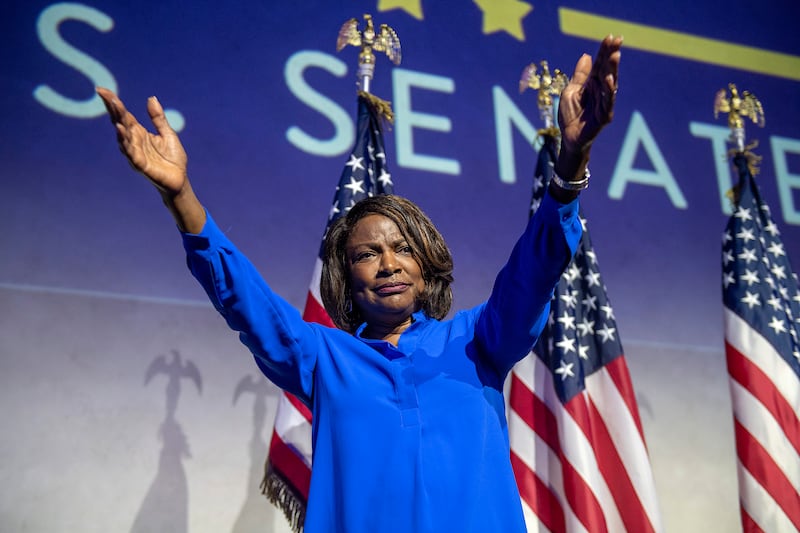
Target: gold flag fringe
pixel 281 494
pixel 382 108
pixel 753 162
pixel 552 131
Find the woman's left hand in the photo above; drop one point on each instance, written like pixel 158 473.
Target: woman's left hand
pixel 586 106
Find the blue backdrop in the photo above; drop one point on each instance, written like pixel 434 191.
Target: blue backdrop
pixel 266 108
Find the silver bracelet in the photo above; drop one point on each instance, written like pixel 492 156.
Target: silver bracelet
pixel 572 185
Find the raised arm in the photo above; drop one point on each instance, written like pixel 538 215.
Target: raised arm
pixel 518 307
pixel 160 157
pixel 585 107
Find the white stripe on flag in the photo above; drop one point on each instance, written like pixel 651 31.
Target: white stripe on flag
pixel 542 460
pixel 763 427
pixel 622 426
pixel 532 522
pixel 578 450
pixel 293 428
pixel 316 276
pixel 760 506
pixel 761 353
pixel 533 451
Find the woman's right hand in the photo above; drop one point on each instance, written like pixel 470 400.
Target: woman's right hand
pixel 160 157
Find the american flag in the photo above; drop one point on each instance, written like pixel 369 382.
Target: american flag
pixel 577 445
pixel 288 466
pixel 762 346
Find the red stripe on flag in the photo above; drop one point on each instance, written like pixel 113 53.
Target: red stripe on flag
pixel 748 524
pixel 767 473
pixel 618 372
pixel 300 406
pixel 752 378
pixel 538 496
pixel 534 412
pixel 582 500
pixel 314 312
pixel 286 461
pixel 577 491
pixel 538 416
pixel 615 474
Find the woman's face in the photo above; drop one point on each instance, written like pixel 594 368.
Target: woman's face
pixel 385 279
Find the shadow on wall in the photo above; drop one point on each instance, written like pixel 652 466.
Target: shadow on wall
pixel 165 506
pixel 254 513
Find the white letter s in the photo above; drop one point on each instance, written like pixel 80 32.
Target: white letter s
pixel 47 29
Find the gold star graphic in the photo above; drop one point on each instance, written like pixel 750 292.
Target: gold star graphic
pixel 412 7
pixel 504 15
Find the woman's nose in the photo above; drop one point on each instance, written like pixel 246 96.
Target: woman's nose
pixel 389 263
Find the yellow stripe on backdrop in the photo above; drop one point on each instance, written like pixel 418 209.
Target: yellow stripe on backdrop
pixel 679 44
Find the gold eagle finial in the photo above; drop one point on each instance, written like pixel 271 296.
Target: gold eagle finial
pixel 547 85
pixel 738 107
pixel 385 40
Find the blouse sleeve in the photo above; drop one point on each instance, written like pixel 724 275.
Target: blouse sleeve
pixel 284 345
pixel 517 310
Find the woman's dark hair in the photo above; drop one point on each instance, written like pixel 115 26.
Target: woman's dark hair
pixel 428 248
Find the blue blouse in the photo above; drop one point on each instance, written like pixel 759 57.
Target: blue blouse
pixel 410 438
